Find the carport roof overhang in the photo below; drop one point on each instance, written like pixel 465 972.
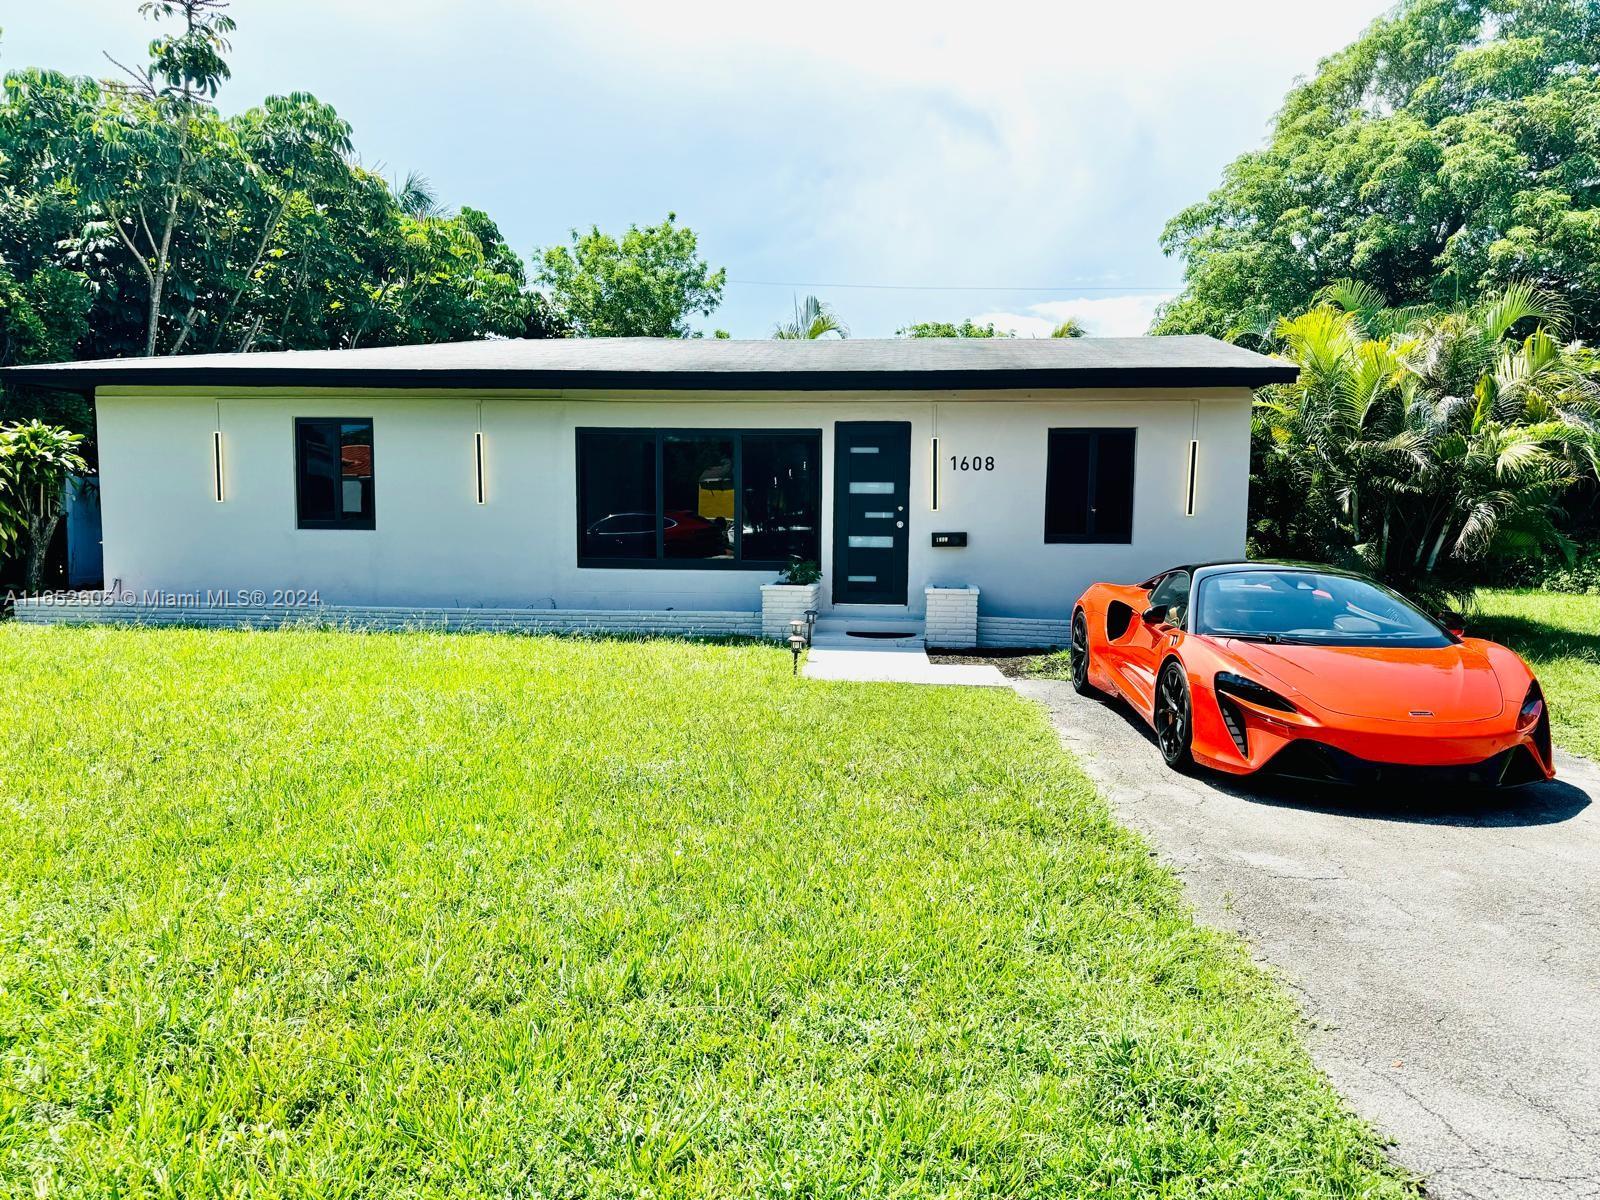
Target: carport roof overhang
pixel 701 365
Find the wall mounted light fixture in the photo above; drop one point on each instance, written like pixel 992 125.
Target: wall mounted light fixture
pixel 216 463
pixel 1194 462
pixel 477 463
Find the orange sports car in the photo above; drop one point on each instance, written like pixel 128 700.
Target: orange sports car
pixel 1310 672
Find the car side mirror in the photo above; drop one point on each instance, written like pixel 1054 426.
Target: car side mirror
pixel 1156 614
pixel 1454 623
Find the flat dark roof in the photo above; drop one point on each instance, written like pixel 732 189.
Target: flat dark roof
pixel 704 364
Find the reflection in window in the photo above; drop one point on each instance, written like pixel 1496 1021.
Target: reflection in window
pixel 716 497
pixel 617 495
pixel 334 473
pixel 697 496
pixel 780 498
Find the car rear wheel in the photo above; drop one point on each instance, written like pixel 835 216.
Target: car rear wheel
pixel 1078 653
pixel 1174 718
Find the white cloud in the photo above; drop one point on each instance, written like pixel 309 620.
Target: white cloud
pixel 1102 316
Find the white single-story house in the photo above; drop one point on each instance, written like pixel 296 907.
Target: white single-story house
pixel 650 484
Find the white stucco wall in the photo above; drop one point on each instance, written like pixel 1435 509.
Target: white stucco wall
pixel 434 545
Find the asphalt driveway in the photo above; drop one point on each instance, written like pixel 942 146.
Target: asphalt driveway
pixel 1445 949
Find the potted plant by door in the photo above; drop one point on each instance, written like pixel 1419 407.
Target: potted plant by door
pixel 795 594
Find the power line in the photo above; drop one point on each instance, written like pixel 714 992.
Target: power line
pixel 956 287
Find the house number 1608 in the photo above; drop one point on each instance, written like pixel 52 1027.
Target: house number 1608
pixel 976 462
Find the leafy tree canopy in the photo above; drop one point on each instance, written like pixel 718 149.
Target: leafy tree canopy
pixel 648 283
pixel 947 329
pixel 1451 150
pixel 135 219
pixel 1421 445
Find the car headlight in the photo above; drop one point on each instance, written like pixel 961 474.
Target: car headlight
pixel 1532 707
pixel 1249 690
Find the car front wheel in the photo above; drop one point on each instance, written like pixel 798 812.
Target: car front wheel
pixel 1174 718
pixel 1078 653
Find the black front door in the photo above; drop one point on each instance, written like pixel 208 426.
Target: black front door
pixel 871 502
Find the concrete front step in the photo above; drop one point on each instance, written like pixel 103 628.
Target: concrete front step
pixel 881 633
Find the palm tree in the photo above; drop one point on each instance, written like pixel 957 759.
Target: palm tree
pixel 1418 443
pixel 812 320
pixel 1069 328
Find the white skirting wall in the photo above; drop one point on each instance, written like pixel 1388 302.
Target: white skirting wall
pixel 95 608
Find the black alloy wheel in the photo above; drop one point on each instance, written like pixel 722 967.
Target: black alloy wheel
pixel 1078 653
pixel 1174 718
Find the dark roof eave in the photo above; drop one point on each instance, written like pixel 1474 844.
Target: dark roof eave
pixel 76 379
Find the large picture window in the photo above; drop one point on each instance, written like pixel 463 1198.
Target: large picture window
pixel 333 473
pixel 698 497
pixel 1088 490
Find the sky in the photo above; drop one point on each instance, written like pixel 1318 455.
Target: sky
pixel 904 162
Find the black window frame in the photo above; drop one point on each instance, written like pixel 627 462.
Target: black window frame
pixel 661 435
pixel 365 521
pixel 1092 536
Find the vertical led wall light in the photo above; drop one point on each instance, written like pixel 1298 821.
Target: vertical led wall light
pixel 1194 460
pixel 216 463
pixel 477 463
pixel 477 458
pixel 935 474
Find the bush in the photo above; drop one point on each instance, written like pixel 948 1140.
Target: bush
pixel 1581 576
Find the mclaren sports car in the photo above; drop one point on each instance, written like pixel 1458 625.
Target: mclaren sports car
pixel 1310 672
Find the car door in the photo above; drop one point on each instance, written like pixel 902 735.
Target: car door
pixel 1147 642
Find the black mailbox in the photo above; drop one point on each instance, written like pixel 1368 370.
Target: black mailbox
pixel 950 539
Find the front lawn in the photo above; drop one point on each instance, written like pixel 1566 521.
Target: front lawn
pixel 1559 635
pixel 331 915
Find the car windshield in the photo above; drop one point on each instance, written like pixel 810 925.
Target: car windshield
pixel 1310 607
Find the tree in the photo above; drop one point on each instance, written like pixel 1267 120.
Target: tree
pixel 1447 153
pixel 133 218
pixel 35 461
pixel 151 154
pixel 1070 328
pixel 946 329
pixel 812 320
pixel 647 284
pixel 1418 446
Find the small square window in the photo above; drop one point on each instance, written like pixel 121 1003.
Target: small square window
pixel 1088 490
pixel 334 473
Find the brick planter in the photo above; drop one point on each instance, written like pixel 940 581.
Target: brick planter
pixel 952 622
pixel 785 602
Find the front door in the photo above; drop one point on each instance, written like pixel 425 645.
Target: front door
pixel 871 502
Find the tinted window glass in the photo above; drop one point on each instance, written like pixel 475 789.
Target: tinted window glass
pixel 1173 591
pixel 1308 606
pixel 1089 486
pixel 780 499
pixel 334 473
pixel 697 495
pixel 1113 491
pixel 617 494
pixel 724 497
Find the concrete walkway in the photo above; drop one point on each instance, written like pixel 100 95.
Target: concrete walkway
pixel 1445 948
pixel 892 663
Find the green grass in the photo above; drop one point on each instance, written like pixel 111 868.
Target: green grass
pixel 328 915
pixel 1559 635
